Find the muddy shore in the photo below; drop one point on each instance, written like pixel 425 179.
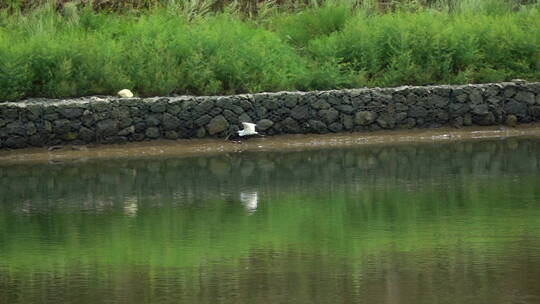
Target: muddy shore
pixel 195 147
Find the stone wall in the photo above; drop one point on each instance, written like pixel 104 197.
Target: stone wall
pixel 45 122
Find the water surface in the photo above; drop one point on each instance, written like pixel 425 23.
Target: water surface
pixel 416 223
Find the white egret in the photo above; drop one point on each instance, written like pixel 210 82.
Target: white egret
pixel 249 129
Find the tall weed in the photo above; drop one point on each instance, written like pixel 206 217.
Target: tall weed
pixel 188 48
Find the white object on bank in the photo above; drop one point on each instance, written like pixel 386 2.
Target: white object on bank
pixel 125 93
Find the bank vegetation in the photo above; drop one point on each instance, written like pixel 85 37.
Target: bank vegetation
pixel 75 48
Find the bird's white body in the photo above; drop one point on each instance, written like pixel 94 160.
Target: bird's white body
pixel 249 129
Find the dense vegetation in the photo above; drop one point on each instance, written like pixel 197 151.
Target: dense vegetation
pixel 72 48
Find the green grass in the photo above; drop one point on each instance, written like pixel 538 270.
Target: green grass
pixel 172 47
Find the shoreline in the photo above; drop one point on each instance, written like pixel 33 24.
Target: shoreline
pixel 299 142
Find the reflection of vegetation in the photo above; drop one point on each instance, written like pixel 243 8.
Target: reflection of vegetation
pixel 366 213
pixel 345 223
pixel 50 52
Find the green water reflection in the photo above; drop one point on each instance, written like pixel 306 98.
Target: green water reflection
pixel 448 223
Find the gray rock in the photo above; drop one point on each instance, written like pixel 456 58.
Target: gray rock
pixel 170 122
pixel 171 135
pixel 244 118
pixel 217 124
pixel 264 124
pixel 320 104
pixel 69 136
pixel 140 127
pixel 114 140
pixel 36 140
pixel 329 116
pixel 34 111
pixel 511 120
pixel 174 109
pixel 127 131
pixel 203 120
pixel 246 104
pixel 335 127
pixel 300 112
pixel 159 106
pixel 458 109
pixel 31 128
pixel 153 120
pixel 260 110
pixel 75 125
pixel 290 125
pixel 347 109
pixel 152 132
pixel 230 116
pixel 87 135
pixel 401 116
pixel 124 122
pixel 385 121
pixel 400 107
pixel 441 116
pixel 290 100
pixel 201 132
pixel 509 92
pixel 47 126
pixel 204 107
pixel 438 101
pixel 399 98
pixel 335 100
pixel 461 98
pixel 120 112
pixel 237 109
pixel 525 97
pixel 347 121
pixel 62 126
pixel 70 112
pixel 457 122
pixel 467 119
pixel 88 119
pixel 10 113
pixel 408 123
pixel 100 106
pixel 16 128
pixel 492 91
pixel 534 111
pixel 271 103
pixel 494 100
pixel 417 111
pixel 107 127
pixel 411 99
pixel 102 116
pixel 365 118
pixel 317 126
pixel 16 142
pixel 476 96
pixel 517 108
pixel 484 120
pixel 138 136
pixel 215 111
pixel 374 127
pixel 224 102
pixel 442 91
pixel 480 109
